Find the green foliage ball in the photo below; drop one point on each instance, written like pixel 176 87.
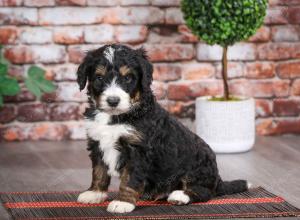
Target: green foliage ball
pixel 224 22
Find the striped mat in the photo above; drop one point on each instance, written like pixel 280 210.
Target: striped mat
pixel 256 203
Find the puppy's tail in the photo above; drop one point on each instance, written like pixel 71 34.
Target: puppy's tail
pixel 231 187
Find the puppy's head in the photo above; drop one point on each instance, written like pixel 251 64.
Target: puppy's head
pixel 118 77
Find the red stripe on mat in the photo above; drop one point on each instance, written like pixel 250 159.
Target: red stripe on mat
pixel 18 205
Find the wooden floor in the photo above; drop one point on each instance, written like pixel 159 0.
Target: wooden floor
pixel 47 166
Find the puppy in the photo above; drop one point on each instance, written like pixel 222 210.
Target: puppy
pixel 132 137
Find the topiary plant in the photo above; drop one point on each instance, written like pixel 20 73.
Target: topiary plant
pixel 224 22
pixel 35 81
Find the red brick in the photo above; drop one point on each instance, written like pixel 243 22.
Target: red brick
pixel 7 114
pixel 35 54
pixel 49 54
pixel 68 35
pixel 17 72
pixel 278 126
pixel 23 96
pixel 36 35
pixel 278 51
pixel 286 107
pixel 288 69
pixel 131 34
pixel 174 16
pixel 163 35
pixel 18 16
pixel 71 2
pixel 11 2
pixel 19 54
pixel 285 33
pixel 260 89
pixel 296 87
pixel 134 2
pixel 263 108
pixel 32 112
pixel 239 51
pixel 48 131
pixel 209 52
pixel 260 70
pixel 13 133
pixel 263 34
pixel 159 89
pixel 134 15
pixel 279 88
pixel 64 72
pixel 184 91
pixel 242 51
pixel 294 15
pixel 64 112
pixel 235 70
pixel 103 33
pixel 76 130
pixel 39 3
pixel 284 2
pixel 170 52
pixel 165 3
pixel 276 15
pixel 102 2
pixel 196 71
pixel 186 34
pixel 264 126
pixel 70 15
pixel 166 72
pixel 8 35
pixel 76 55
pixel 77 52
pixel 68 91
pixel 182 109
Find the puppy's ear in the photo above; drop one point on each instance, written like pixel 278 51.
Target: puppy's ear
pixel 82 72
pixel 146 68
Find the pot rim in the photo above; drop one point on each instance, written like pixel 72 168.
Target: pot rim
pixel 243 99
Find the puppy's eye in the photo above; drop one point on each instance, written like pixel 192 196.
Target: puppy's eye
pixel 128 78
pixel 99 77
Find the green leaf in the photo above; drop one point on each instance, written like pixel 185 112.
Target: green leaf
pixel 36 72
pixel 3 60
pixel 45 85
pixel 3 69
pixel 9 86
pixel 33 88
pixel 1 100
pixel 36 82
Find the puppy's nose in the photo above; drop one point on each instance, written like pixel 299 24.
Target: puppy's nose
pixel 113 101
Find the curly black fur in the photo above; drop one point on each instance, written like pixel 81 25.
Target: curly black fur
pixel 169 156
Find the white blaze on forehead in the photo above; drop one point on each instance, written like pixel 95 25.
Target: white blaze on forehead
pixel 109 54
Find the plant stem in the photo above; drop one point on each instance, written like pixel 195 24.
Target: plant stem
pixel 224 73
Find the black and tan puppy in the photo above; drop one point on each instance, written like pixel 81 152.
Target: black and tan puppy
pixel 132 137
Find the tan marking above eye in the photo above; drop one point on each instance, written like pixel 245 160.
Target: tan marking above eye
pixel 100 70
pixel 124 70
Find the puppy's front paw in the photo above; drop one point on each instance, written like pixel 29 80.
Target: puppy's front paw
pixel 92 197
pixel 178 197
pixel 116 206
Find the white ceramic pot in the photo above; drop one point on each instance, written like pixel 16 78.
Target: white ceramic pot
pixel 228 127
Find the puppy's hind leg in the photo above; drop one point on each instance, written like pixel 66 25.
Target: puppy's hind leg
pixel 193 193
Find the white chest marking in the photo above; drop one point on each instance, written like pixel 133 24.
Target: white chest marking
pixel 108 136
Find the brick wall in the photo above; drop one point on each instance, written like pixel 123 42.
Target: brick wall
pixel 56 33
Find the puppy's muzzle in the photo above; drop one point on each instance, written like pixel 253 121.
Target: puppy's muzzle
pixel 113 101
